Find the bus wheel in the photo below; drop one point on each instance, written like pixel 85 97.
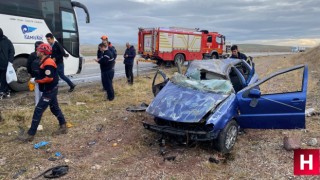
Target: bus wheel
pixel 179 59
pixel 20 65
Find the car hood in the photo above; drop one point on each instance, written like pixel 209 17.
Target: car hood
pixel 184 104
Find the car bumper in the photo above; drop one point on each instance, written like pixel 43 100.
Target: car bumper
pixel 190 135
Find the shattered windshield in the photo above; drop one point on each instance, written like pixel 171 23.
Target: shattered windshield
pixel 212 85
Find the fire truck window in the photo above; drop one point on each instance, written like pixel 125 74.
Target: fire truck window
pixel 209 39
pixel 218 40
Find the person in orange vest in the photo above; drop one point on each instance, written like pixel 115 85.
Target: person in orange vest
pixel 48 85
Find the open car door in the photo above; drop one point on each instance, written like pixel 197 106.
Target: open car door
pixel 275 102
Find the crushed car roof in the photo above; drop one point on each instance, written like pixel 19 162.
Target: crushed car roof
pixel 218 66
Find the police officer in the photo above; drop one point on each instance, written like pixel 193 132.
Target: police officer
pixel 48 85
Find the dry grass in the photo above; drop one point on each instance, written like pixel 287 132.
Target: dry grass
pixel 257 154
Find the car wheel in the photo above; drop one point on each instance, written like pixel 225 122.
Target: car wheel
pixel 227 137
pixel 20 65
pixel 179 59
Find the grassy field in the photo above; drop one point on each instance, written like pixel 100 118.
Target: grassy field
pixel 108 142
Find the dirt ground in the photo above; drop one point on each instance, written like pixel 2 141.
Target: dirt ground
pixel 108 142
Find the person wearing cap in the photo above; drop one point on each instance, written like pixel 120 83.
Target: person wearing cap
pixel 33 67
pixel 6 56
pixel 48 85
pixel 57 55
pixel 104 40
pixel 107 63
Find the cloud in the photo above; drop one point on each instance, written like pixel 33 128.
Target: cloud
pixel 259 21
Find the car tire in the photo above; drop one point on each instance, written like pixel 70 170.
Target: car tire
pixel 20 66
pixel 227 137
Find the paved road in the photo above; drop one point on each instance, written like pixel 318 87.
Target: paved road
pixel 91 70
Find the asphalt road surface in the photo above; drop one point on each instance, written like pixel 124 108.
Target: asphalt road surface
pixel 91 69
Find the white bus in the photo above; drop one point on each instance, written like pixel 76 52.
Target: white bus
pixel 26 21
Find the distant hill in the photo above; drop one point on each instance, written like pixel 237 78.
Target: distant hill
pixel 263 48
pixel 90 49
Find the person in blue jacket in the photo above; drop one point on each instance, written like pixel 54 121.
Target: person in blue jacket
pixel 129 56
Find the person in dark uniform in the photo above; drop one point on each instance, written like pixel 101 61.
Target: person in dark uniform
pixel 129 56
pixel 57 55
pixel 6 56
pixel 33 67
pixel 107 63
pixel 48 85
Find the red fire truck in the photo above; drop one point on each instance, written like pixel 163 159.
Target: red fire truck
pixel 179 44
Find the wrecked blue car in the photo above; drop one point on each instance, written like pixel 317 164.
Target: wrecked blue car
pixel 214 98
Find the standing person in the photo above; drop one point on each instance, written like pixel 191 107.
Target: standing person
pixel 33 67
pixel 236 54
pixel 48 85
pixel 57 55
pixel 104 40
pixel 6 56
pixel 129 56
pixel 106 62
pixel 111 48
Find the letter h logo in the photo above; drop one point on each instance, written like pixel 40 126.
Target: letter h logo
pixel 306 162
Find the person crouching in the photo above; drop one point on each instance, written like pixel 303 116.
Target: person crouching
pixel 48 85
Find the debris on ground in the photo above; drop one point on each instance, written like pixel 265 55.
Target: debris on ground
pixel 213 160
pixel 91 143
pixel 312 142
pixel 142 107
pixel 311 112
pixel 169 158
pixel 3 161
pixel 69 125
pixel 55 172
pixel 99 127
pixel 19 173
pixel 80 103
pixel 40 144
pixel 291 143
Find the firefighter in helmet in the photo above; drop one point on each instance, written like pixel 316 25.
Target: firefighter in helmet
pixel 48 85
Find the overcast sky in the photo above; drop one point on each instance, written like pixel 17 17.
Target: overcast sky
pixel 275 22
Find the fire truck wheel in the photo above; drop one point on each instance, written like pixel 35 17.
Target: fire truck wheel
pixel 214 56
pixel 179 59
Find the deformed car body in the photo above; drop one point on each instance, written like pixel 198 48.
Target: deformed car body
pixel 216 97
